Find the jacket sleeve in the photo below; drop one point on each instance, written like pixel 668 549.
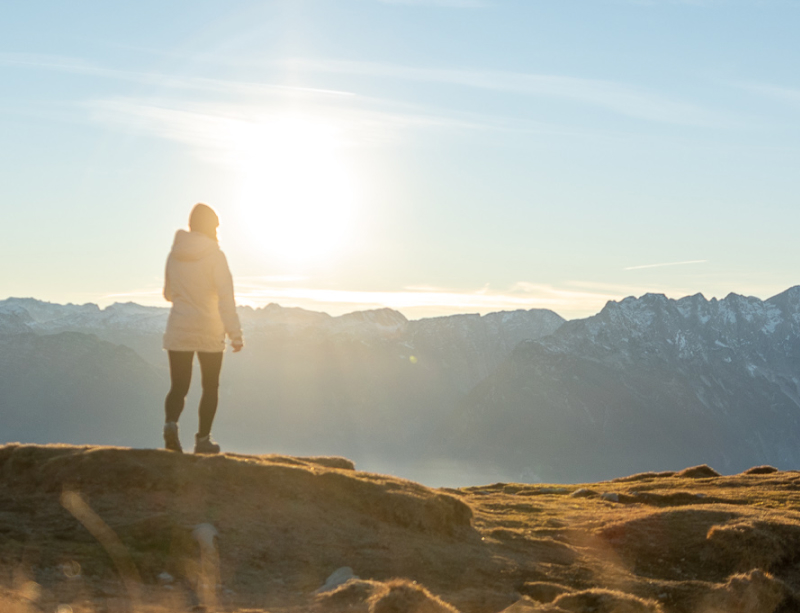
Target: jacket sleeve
pixel 227 304
pixel 167 284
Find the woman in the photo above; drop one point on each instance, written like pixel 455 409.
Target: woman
pixel 199 285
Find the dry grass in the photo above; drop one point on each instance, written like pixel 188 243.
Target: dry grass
pixel 686 542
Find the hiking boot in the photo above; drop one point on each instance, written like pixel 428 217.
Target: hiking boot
pixel 204 444
pixel 171 439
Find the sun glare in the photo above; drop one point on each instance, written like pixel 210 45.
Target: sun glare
pixel 297 196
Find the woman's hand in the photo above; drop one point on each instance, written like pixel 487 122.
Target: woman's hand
pixel 237 345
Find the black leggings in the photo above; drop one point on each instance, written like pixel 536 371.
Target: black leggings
pixel 180 371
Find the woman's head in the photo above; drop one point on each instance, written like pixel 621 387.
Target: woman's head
pixel 204 219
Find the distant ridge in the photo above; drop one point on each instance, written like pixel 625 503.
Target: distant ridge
pixel 371 385
pixel 648 383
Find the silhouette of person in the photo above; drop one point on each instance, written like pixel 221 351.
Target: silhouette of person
pixel 199 285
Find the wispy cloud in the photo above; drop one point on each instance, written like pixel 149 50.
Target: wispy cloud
pixel 51 62
pixel 459 4
pixel 571 299
pixel 664 264
pixel 617 97
pixel 215 129
pixel 620 98
pixel 430 301
pixel 673 2
pixel 172 109
pixel 148 297
pixel 776 92
pixel 229 87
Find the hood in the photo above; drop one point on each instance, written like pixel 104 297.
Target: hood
pixel 191 246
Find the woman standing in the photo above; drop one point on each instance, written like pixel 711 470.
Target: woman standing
pixel 199 285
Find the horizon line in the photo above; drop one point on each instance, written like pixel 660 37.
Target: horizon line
pixel 337 303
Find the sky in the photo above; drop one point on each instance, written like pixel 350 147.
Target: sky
pixel 432 156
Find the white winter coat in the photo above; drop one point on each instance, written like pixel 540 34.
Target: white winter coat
pixel 199 285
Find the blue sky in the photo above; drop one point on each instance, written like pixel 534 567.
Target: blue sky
pixel 432 156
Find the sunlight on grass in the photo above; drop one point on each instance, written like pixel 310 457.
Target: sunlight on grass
pixel 247 534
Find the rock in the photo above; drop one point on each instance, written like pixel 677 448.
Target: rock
pixel 610 496
pixel 338 577
pixel 205 534
pixel 583 493
pixel 165 578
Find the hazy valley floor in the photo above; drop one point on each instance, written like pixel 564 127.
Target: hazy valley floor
pixel 687 542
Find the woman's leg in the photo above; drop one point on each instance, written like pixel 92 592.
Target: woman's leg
pixel 210 367
pixel 180 372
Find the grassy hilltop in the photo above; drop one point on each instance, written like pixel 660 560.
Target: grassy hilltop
pixel 94 529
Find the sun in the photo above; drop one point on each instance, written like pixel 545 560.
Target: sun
pixel 295 184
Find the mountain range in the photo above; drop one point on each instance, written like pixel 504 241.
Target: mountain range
pixel 649 383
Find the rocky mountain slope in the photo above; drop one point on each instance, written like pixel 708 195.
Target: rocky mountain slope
pixel 91 529
pixel 648 383
pixel 75 387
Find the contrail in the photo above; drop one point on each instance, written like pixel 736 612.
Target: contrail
pixel 666 264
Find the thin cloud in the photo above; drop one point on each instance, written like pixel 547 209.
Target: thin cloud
pixel 210 128
pixel 673 2
pixel 776 92
pixel 662 265
pixel 617 97
pixel 709 3
pixel 364 121
pixel 50 62
pixel 273 279
pixel 165 81
pixel 204 124
pixel 458 4
pixel 573 299
pixel 152 296
pixel 429 301
pixel 620 290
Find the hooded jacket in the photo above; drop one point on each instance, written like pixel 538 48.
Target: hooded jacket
pixel 199 285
